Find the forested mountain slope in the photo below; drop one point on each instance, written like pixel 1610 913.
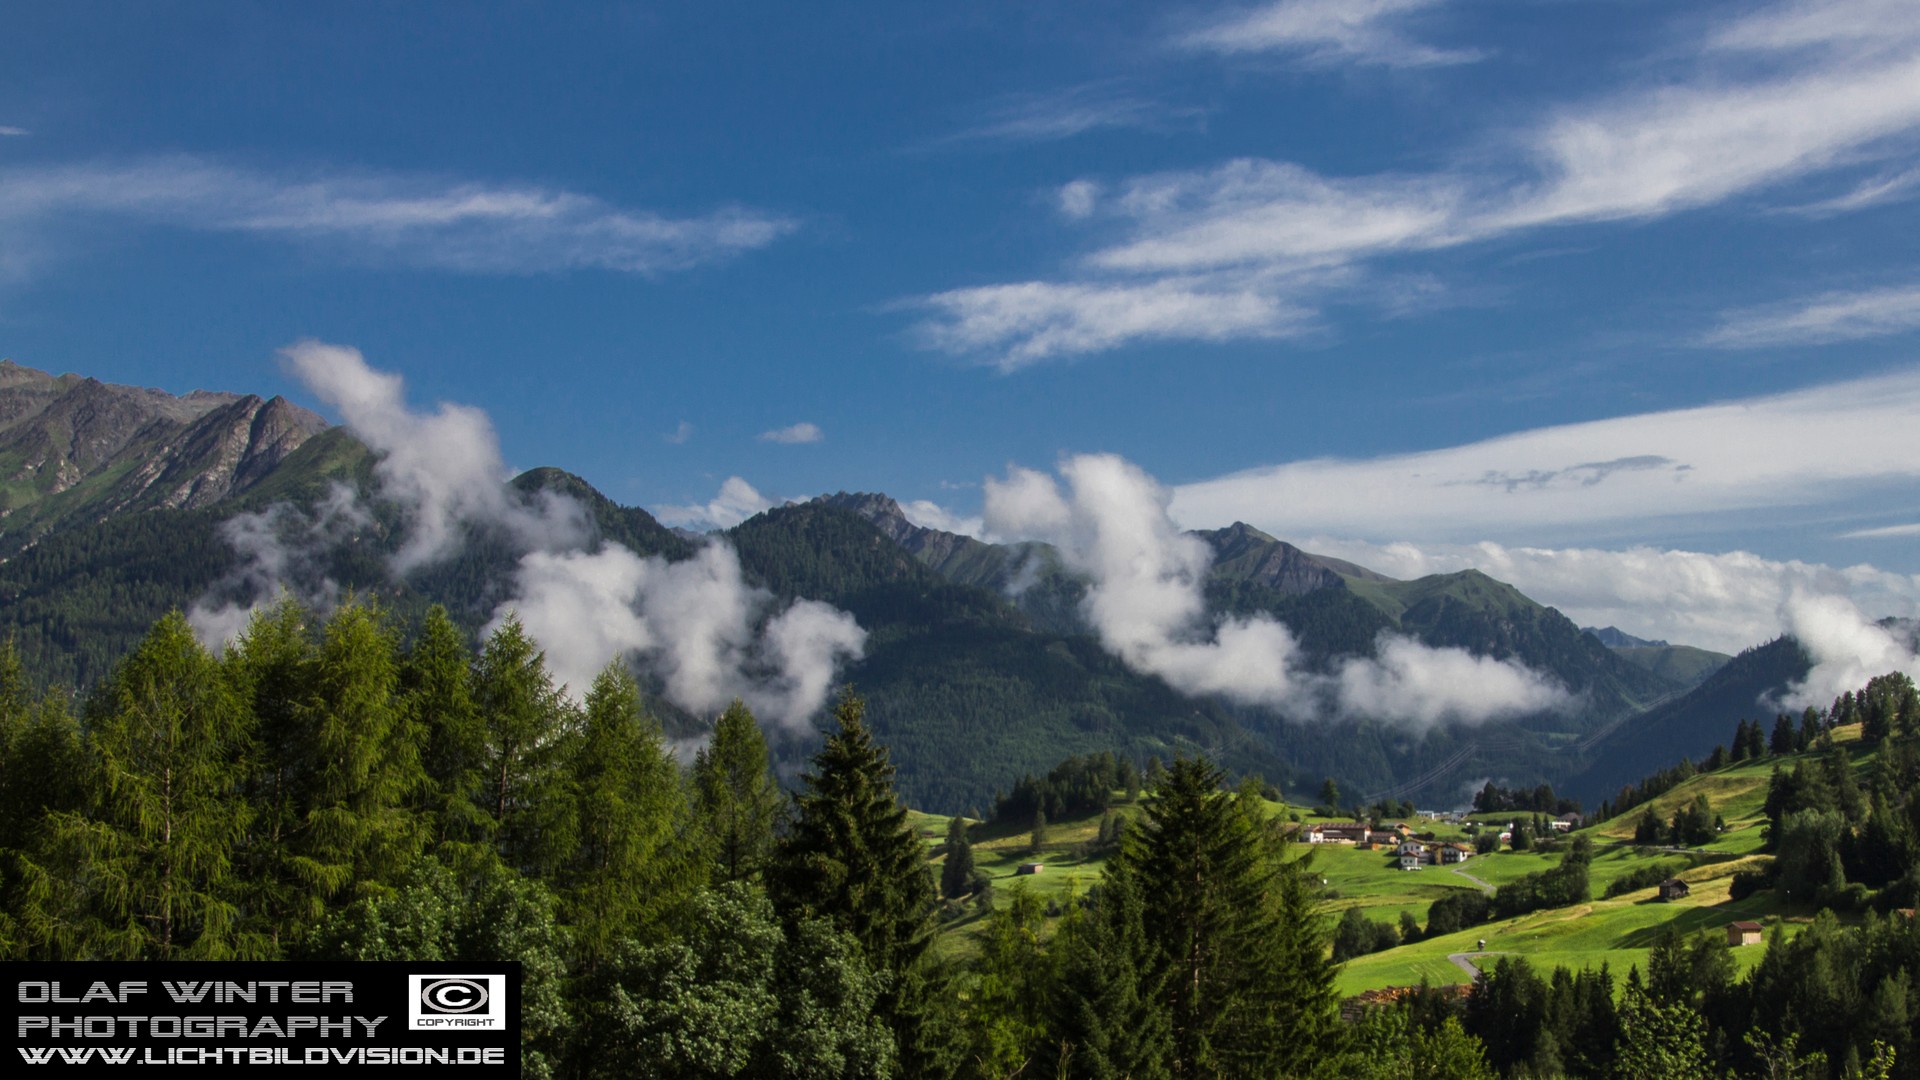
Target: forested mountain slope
pixel 979 663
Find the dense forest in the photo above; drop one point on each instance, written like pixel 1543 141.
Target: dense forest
pixel 339 789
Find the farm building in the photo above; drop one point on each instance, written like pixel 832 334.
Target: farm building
pixel 1674 889
pixel 1744 933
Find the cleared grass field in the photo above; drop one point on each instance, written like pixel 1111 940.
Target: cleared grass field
pixel 1618 933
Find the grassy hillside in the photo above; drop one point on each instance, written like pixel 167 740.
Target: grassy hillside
pixel 1617 932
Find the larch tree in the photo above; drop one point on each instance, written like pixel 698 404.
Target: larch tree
pixel 359 835
pixel 528 731
pixel 436 694
pixel 153 853
pixel 737 802
pixel 632 864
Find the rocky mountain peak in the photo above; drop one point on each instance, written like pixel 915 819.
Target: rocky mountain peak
pixel 79 448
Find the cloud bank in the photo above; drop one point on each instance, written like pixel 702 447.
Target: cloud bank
pixel 1777 454
pixel 1110 522
pixel 696 625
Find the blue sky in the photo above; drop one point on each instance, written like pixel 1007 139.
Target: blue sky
pixel 1400 277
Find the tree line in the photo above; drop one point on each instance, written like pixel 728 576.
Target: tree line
pixel 328 789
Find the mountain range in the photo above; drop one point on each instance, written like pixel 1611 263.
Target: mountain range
pixel 980 662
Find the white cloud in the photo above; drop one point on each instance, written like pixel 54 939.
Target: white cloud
pixel 1643 472
pixel 1252 212
pixel 1725 601
pixel 394 218
pixel 1821 320
pixel 1078 198
pixel 679 435
pixel 1249 248
pixel 1036 320
pixel 736 502
pixel 1847 649
pixel 280 550
pixel 1076 110
pixel 1145 601
pixel 1883 532
pixel 696 624
pixel 1883 188
pixel 12 131
pixel 1689 146
pixel 1325 32
pixel 794 434
pixel 444 467
pixel 691 623
pixel 931 515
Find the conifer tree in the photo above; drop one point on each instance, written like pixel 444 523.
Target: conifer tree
pixel 359 835
pixel 737 801
pixel 1249 989
pixel 1110 1018
pixel 631 865
pixel 155 849
pixel 42 772
pixel 956 873
pixel 435 682
pixel 528 743
pixel 851 858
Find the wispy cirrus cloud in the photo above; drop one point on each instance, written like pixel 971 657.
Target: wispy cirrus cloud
pixel 794 434
pixel 405 219
pixel 1633 476
pixel 1821 320
pixel 1074 111
pixel 1884 532
pixel 13 131
pixel 1027 322
pixel 1327 32
pixel 1839 89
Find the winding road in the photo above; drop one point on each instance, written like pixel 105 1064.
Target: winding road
pixel 1484 887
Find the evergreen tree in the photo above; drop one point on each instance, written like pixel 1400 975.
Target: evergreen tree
pixel 154 851
pixel 42 772
pixel 1110 1017
pixel 528 743
pixel 736 798
pixel 851 858
pixel 1329 794
pixel 270 667
pixel 1248 986
pixel 358 835
pixel 956 873
pixel 436 693
pixel 1037 839
pixel 1783 741
pixel 631 866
